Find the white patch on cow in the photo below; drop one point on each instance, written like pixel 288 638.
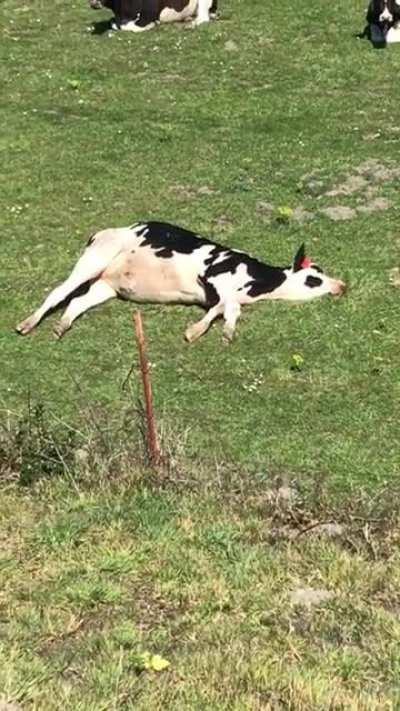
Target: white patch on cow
pixel 294 288
pixel 386 15
pixel 203 12
pixel 133 27
pixel 168 14
pixel 228 285
pixel 141 275
pixel 393 34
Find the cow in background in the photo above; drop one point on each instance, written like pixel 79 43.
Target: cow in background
pixel 140 15
pixel 383 22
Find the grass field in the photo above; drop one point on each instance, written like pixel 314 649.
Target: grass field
pixel 248 130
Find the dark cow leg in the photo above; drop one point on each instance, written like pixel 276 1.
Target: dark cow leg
pixel 213 9
pixel 197 329
pixel 145 19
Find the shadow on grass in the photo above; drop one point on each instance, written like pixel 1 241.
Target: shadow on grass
pixel 101 27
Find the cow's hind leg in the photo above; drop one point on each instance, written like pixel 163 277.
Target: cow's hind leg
pixel 197 329
pixel 98 293
pixel 231 315
pixel 90 265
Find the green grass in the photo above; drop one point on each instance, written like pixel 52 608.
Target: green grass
pixel 97 575
pixel 103 130
pixel 177 125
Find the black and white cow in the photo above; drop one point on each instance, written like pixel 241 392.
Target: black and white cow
pixel 140 15
pixel 383 21
pixel 160 263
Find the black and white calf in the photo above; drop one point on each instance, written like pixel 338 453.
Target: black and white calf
pixel 383 21
pixel 159 263
pixel 140 15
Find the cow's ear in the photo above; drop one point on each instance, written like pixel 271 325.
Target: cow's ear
pixel 299 258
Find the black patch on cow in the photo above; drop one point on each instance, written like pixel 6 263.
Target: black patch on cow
pixel 142 12
pixel 211 294
pixel 313 281
pixel 272 279
pixel 166 239
pixel 375 8
pixel 149 12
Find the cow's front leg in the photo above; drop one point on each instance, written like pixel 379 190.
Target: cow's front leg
pixel 377 36
pixel 197 329
pixel 231 315
pixel 203 12
pixel 98 293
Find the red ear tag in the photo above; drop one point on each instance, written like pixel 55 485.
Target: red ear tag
pixel 306 262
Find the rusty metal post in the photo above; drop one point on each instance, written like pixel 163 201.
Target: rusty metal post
pixel 153 447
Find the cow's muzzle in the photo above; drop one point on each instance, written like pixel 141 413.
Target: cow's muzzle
pixel 95 4
pixel 338 288
pixel 386 16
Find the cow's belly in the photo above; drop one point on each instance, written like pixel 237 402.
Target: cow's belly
pixel 168 14
pixel 142 276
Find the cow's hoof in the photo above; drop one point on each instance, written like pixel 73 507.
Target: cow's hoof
pixel 199 21
pixel 60 328
pixel 193 333
pixel 228 334
pixel 25 326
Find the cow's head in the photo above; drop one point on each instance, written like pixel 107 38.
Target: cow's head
pixel 305 281
pixel 383 13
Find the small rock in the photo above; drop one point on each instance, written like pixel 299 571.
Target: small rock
pixel 368 168
pixel 307 597
pixel 81 457
pixel 313 187
pixel 223 222
pixel 285 494
pixel 182 191
pixel 331 530
pixel 394 277
pixel 353 184
pixel 265 209
pixel 301 215
pixel 378 172
pixel 231 46
pixel 339 212
pixel 375 205
pixel 205 190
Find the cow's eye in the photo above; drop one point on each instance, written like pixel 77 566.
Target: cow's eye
pixel 314 266
pixel 313 281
